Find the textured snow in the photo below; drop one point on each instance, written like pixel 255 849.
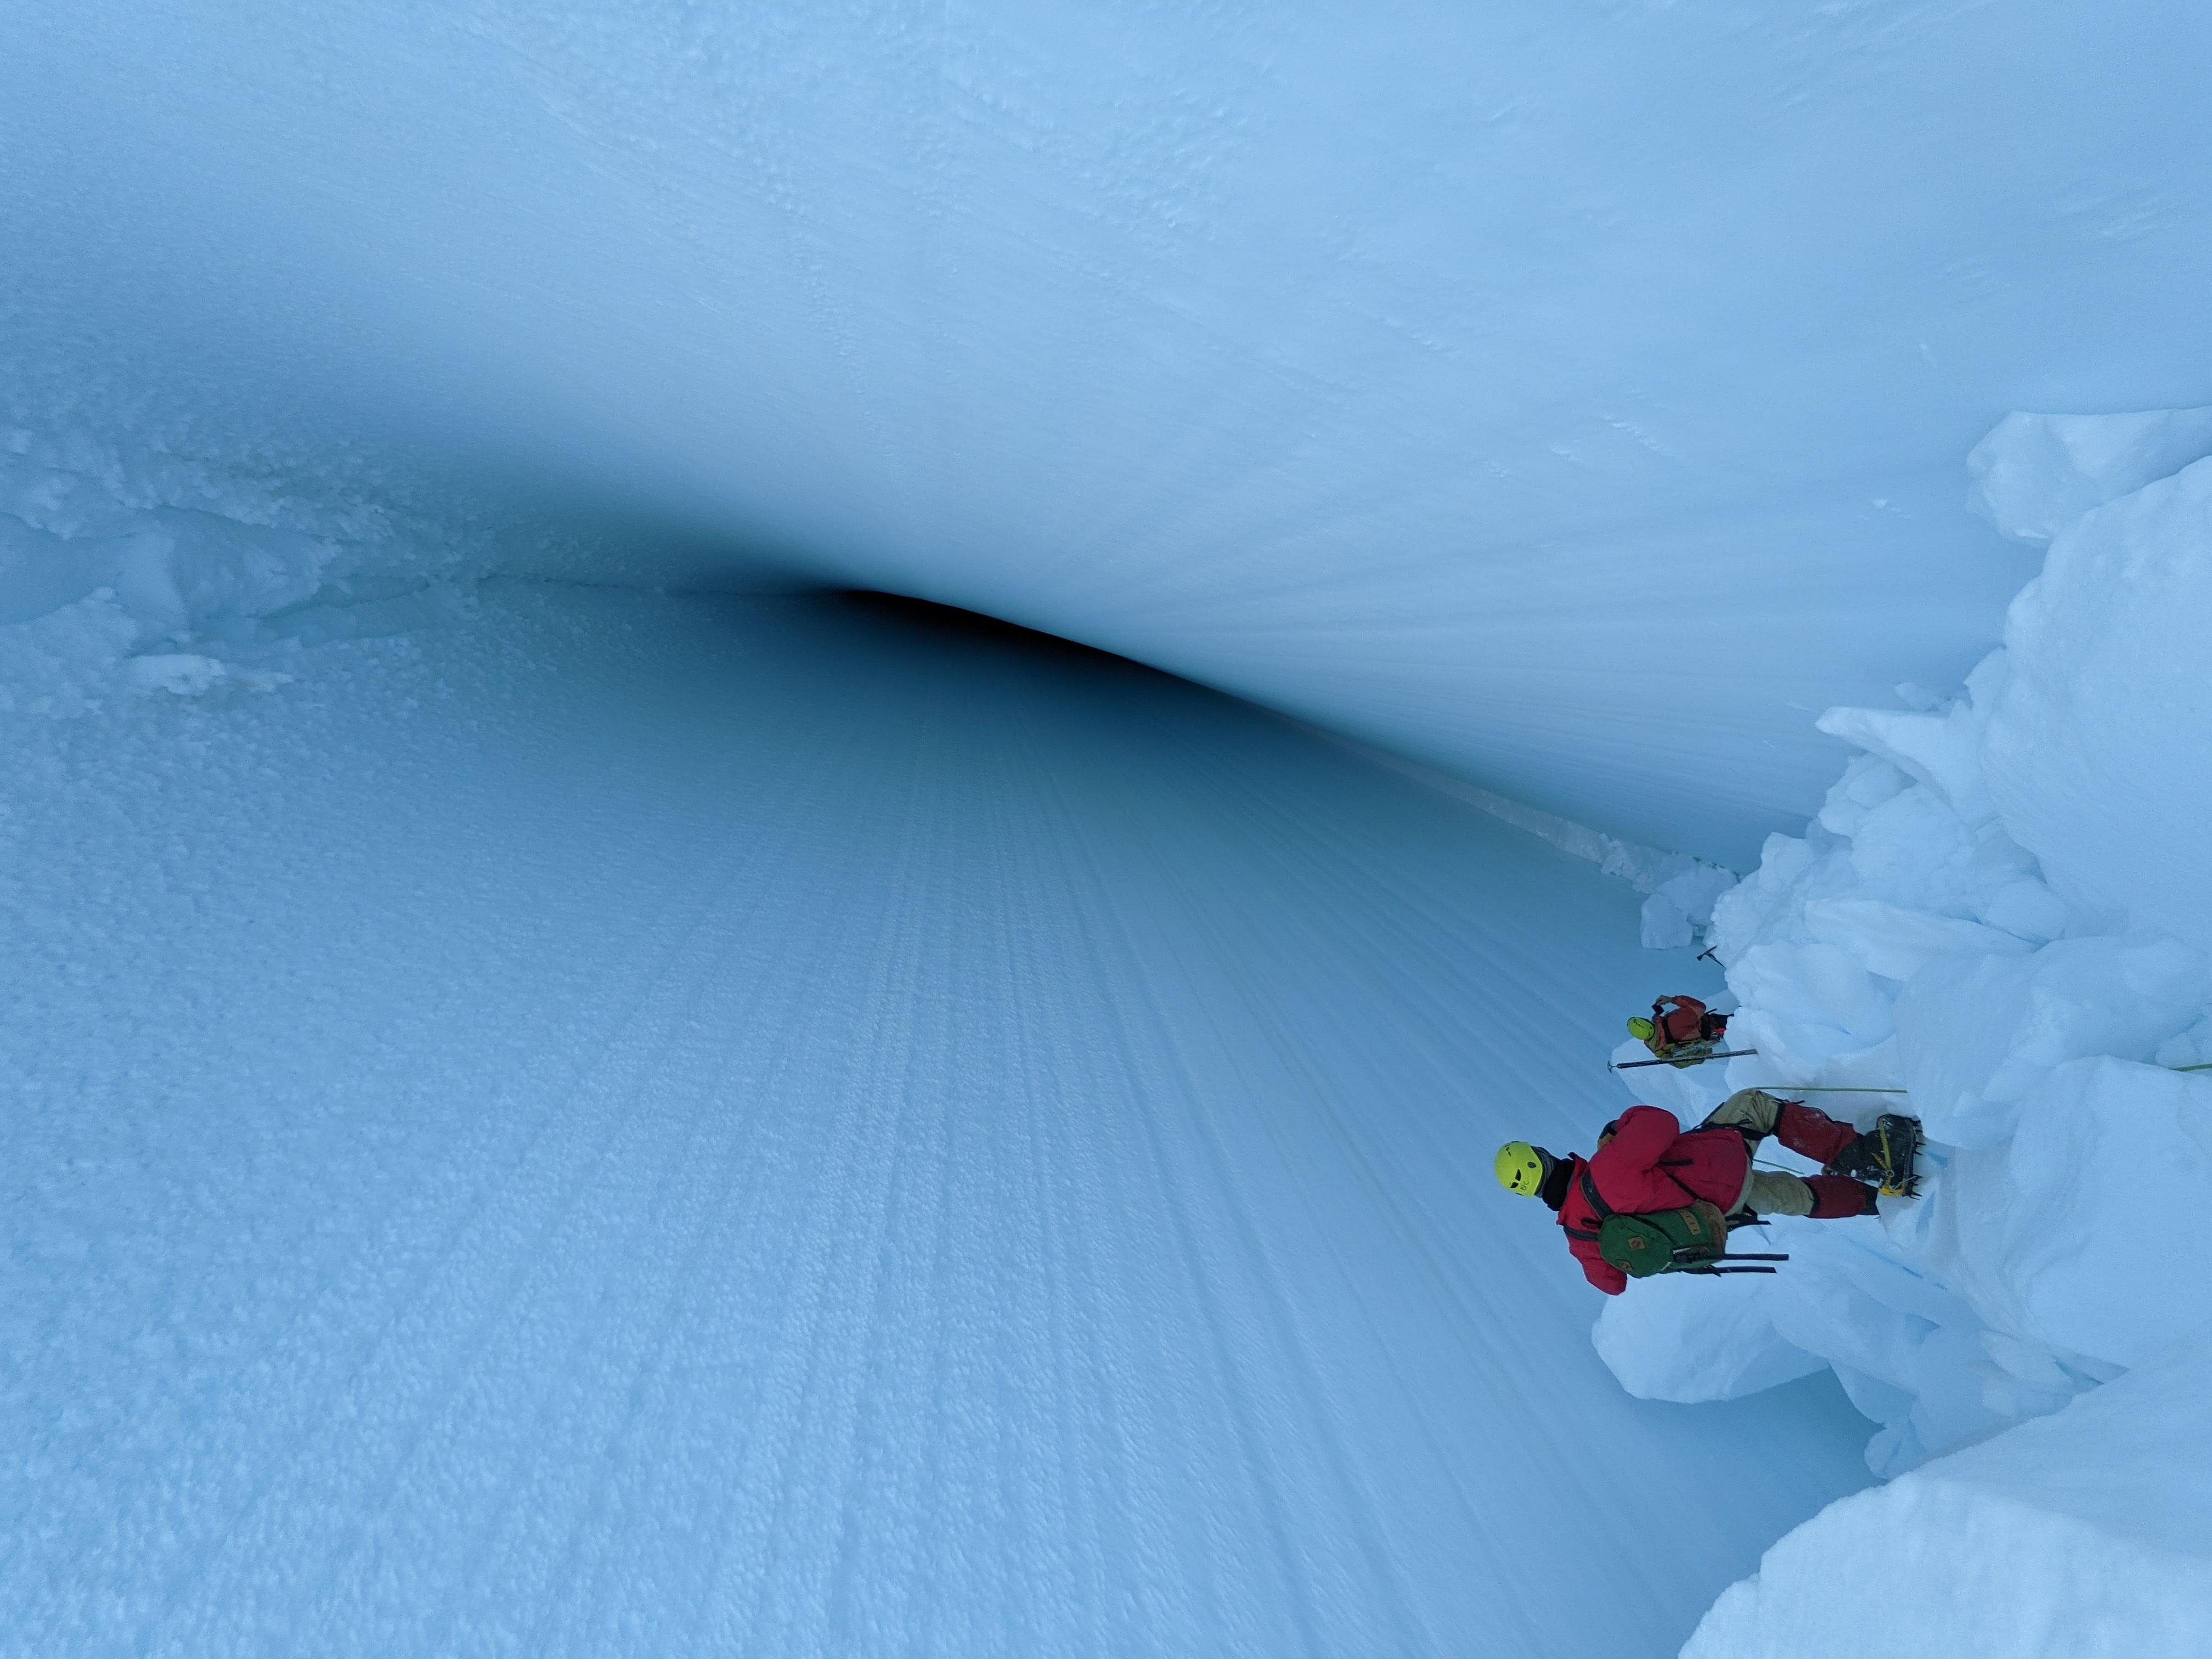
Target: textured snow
pixel 1972 924
pixel 635 1125
pixel 2088 1533
pixel 2108 648
pixel 1571 397
pixel 1681 903
pixel 2036 474
pixel 551 1118
pixel 113 554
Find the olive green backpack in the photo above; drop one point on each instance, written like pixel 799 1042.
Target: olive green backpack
pixel 1688 1240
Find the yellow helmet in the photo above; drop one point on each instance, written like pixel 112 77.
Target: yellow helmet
pixel 1521 1167
pixel 1642 1028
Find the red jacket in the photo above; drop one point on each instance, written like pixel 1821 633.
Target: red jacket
pixel 1651 1164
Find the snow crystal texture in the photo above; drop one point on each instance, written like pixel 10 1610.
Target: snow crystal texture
pixel 1999 922
pixel 1569 396
pixel 552 1120
pixel 623 1125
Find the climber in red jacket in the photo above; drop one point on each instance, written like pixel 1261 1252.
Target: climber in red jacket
pixel 1681 1029
pixel 1646 1162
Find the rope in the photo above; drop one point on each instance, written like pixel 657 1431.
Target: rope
pixel 1833 1089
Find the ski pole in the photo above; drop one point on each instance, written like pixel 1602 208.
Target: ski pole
pixel 1631 1065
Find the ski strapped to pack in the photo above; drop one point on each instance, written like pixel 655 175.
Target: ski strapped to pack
pixel 1691 1060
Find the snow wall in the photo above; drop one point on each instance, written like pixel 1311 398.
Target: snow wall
pixel 2002 916
pixel 1518 386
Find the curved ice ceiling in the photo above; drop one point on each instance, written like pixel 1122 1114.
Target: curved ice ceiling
pixel 1573 396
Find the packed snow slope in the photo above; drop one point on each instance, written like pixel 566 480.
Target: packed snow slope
pixel 1568 395
pixel 615 1124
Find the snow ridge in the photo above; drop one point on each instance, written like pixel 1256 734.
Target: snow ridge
pixel 1998 920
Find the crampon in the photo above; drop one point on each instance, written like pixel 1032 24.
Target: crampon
pixel 1886 1155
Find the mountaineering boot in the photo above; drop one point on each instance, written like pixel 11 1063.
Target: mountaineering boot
pixel 1887 1154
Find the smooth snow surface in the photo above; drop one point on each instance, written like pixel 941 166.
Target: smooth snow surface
pixel 1569 396
pixel 652 1126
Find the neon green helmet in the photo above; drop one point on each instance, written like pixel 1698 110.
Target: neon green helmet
pixel 1642 1028
pixel 1522 1168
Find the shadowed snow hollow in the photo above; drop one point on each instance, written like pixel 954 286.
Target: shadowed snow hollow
pixel 1569 397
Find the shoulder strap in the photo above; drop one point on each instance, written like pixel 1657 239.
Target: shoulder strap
pixel 1598 1206
pixel 1589 1191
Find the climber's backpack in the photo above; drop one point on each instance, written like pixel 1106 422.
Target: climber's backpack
pixel 1678 1021
pixel 1659 1241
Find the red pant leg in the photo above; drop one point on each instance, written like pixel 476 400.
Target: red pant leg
pixel 1804 1129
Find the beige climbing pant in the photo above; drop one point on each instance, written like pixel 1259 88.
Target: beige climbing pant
pixel 1768 1192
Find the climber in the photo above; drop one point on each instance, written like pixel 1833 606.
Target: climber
pixel 1681 1028
pixel 1646 1164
